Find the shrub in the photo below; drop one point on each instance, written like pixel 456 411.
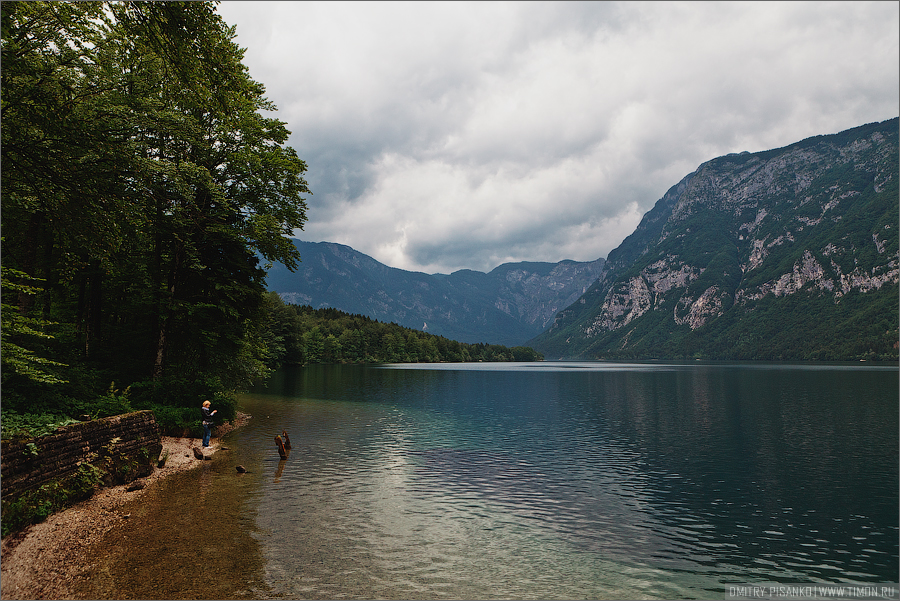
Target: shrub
pixel 33 506
pixel 30 425
pixel 114 402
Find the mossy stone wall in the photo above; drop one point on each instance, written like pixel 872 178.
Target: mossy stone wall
pixel 124 446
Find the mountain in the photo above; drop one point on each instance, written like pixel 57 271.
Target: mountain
pixel 790 253
pixel 507 306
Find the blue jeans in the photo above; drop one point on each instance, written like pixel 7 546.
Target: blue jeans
pixel 206 434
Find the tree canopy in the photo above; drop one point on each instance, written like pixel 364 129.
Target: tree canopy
pixel 142 182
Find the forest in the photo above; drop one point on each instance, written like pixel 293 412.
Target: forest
pixel 302 335
pixel 145 190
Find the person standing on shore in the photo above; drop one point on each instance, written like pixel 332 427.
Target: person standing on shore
pixel 207 417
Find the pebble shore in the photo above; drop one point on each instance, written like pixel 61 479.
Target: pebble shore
pixel 47 560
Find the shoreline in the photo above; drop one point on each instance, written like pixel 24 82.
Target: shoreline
pixel 49 559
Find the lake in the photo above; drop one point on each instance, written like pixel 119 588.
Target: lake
pixel 574 480
pixel 560 480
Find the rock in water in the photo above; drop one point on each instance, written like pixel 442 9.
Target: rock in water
pixel 241 469
pixel 198 454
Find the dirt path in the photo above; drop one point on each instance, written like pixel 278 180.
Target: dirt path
pixel 47 560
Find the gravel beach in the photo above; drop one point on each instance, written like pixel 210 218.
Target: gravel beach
pixel 48 560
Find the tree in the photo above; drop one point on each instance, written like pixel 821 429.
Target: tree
pixel 15 327
pixel 218 183
pixel 62 146
pixel 142 184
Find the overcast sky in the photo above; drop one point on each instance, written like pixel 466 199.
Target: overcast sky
pixel 443 136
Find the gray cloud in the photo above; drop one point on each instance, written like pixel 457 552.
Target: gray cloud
pixel 442 136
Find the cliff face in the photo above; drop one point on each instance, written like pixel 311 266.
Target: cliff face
pixel 804 236
pixel 509 305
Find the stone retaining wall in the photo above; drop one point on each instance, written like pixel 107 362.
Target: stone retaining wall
pixel 125 447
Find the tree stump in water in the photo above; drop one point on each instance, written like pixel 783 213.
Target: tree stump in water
pixel 281 450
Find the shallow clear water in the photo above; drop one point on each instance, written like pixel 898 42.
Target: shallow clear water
pixel 571 480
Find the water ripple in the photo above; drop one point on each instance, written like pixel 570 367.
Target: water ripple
pixel 630 482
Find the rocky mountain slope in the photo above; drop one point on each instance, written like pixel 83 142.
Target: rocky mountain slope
pixel 509 305
pixel 790 253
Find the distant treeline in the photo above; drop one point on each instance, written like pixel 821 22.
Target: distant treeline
pixel 300 334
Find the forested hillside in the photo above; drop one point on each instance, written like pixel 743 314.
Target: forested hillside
pixel 790 253
pixel 301 334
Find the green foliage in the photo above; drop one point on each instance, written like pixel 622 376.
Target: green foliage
pixel 142 181
pixel 176 403
pixel 178 421
pixel 18 329
pixel 114 402
pixel 29 425
pixel 34 506
pixel 303 335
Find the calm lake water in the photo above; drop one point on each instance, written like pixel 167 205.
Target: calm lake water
pixel 573 480
pixel 539 480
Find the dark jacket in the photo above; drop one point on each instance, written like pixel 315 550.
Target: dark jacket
pixel 207 417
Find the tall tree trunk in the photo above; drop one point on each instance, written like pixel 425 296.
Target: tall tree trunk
pixel 161 343
pixel 156 319
pixel 80 308
pixel 162 340
pixel 93 318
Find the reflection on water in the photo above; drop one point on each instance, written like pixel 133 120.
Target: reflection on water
pixel 575 480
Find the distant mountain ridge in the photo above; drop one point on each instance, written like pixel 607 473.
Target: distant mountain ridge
pixel 790 253
pixel 509 305
pixel 787 254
